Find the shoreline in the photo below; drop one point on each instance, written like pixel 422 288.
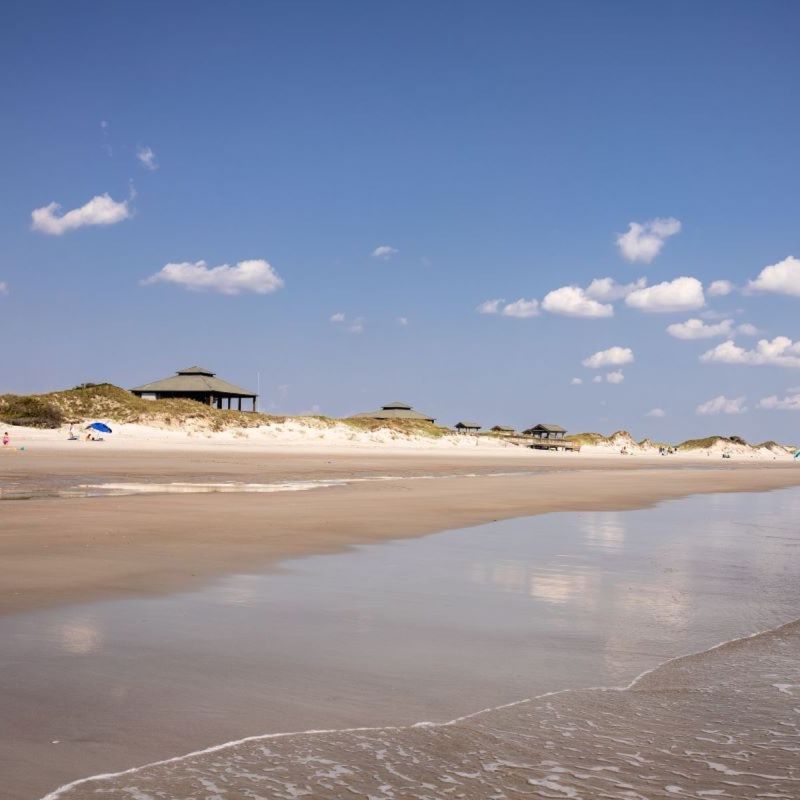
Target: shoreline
pixel 792 626
pixel 66 551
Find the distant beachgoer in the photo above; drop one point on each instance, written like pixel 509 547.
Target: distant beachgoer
pixel 6 439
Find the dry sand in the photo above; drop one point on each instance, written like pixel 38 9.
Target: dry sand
pixel 58 550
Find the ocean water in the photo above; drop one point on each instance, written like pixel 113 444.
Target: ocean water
pixel 502 661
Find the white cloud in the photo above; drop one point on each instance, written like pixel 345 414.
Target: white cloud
pixel 597 379
pixel 100 210
pixel 521 309
pixel 402 321
pixel 682 294
pixel 572 301
pixel 384 252
pixel 338 317
pixel 722 405
pixel 490 306
pixel 356 326
pixel 3 288
pixel 643 241
pixel 607 290
pixel 615 377
pixel 774 403
pixel 780 352
pixel 746 329
pixel 576 381
pixel 780 278
pixel 656 412
pixel 613 357
pixel 720 288
pixel 255 275
pixel 147 157
pixel 697 329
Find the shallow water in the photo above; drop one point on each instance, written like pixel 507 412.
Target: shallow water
pixel 429 630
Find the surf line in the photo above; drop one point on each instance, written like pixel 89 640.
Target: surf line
pixel 62 790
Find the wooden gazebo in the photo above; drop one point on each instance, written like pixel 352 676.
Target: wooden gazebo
pixel 200 384
pixel 467 427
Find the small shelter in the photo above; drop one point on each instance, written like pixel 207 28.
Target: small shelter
pixel 395 410
pixel 200 384
pixel 503 430
pixel 546 431
pixel 467 427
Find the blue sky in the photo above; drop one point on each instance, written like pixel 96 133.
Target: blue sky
pixel 499 150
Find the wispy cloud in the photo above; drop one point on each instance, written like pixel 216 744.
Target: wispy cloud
pixel 720 288
pixel 608 290
pixel 521 309
pixel 573 301
pixel 490 306
pixel 147 158
pixel 779 352
pixel 791 402
pixel 613 357
pixel 657 413
pixel 681 294
pixel 722 405
pixel 644 241
pixel 384 252
pixel 100 210
pixel 780 278
pixel 3 288
pixel 256 276
pixel 402 321
pixel 615 377
pixel 576 381
pixel 352 326
pixel 697 329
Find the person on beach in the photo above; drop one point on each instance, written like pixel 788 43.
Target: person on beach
pixel 6 439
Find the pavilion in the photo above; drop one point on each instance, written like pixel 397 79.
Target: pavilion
pixel 467 427
pixel 200 384
pixel 395 410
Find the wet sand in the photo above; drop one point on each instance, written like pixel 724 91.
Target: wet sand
pixel 57 551
pixel 433 629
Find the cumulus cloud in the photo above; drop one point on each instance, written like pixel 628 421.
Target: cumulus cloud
pixel 720 288
pixel 606 289
pixel 147 158
pixel 780 352
pixel 576 381
pixel 490 306
pixel 722 405
pixel 100 210
pixel 521 309
pixel 644 241
pixel 572 301
pixel 613 357
pixel 384 252
pixel 780 278
pixel 774 403
pixel 681 294
pixel 656 412
pixel 255 275
pixel 615 377
pixel 746 329
pixel 697 329
pixel 338 317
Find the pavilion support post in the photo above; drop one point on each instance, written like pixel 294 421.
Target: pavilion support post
pixel 240 403
pixel 254 404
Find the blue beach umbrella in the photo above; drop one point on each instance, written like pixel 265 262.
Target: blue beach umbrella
pixel 99 426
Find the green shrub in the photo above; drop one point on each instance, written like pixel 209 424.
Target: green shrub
pixel 31 412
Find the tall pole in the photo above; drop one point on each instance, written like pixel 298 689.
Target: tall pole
pixel 258 388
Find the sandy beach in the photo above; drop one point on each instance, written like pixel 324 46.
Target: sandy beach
pixel 61 550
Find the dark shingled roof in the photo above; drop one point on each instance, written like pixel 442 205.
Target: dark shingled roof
pixel 503 429
pixel 396 405
pixel 194 380
pixel 395 410
pixel 473 425
pixel 544 427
